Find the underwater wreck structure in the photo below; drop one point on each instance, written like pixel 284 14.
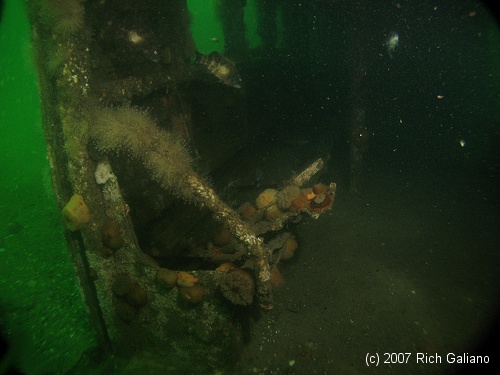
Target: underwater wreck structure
pixel 128 157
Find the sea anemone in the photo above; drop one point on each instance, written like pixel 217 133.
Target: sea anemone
pixel 76 213
pixel 309 193
pixel 222 237
pixel 121 285
pixel 67 16
pixel 136 296
pixel 103 173
pixel 319 188
pixel 289 248
pixel 132 130
pixel 277 280
pixel 321 202
pixel 192 294
pixel 111 235
pixel 166 277
pixel 238 286
pixel 246 210
pixel 266 198
pixel 300 202
pixel 186 279
pixel 129 290
pixel 273 212
pixel 224 267
pixel 285 197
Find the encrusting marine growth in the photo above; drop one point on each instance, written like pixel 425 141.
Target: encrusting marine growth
pixel 131 130
pixel 76 213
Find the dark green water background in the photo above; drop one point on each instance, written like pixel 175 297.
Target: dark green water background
pixel 42 310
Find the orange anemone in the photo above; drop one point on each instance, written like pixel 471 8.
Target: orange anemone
pixel 186 279
pixel 321 202
pixel 224 267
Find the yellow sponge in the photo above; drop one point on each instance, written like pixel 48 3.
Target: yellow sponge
pixel 76 213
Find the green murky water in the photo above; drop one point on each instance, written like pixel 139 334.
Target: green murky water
pixel 42 313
